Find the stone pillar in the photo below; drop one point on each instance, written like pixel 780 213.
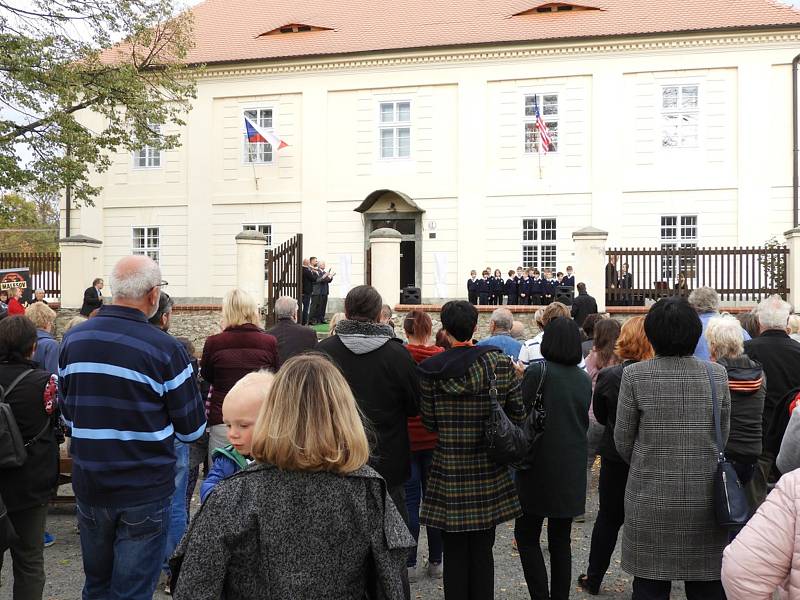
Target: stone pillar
pixel 80 264
pixel 590 262
pixel 385 257
pixel 793 266
pixel 250 246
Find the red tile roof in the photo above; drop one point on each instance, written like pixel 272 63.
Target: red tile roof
pixel 232 30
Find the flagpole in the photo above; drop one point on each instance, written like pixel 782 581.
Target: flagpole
pixel 540 157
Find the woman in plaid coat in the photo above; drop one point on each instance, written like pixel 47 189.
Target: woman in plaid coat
pixel 665 431
pixel 468 494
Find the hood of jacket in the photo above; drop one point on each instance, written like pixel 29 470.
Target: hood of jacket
pixel 450 370
pixel 745 376
pixel 363 338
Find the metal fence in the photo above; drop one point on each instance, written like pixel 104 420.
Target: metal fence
pixel 45 268
pixel 634 275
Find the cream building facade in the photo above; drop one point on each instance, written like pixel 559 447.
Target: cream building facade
pixel 680 138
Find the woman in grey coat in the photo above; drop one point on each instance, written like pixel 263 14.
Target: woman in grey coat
pixel 310 519
pixel 665 431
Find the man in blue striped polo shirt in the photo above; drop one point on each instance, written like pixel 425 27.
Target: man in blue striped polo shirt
pixel 128 390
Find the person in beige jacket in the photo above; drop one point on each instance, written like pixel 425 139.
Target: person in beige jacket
pixel 761 558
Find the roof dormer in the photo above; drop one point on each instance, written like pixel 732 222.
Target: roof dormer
pixel 294 28
pixel 547 6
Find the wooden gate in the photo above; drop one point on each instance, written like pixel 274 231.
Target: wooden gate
pixel 284 274
pixel 45 269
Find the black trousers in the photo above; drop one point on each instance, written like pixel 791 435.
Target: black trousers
pixel 527 530
pixel 468 565
pixel 473 297
pixel 314 310
pixel 27 554
pixel 651 589
pixel 512 299
pixel 535 299
pixel 306 305
pixel 323 307
pixel 610 517
pixel 483 299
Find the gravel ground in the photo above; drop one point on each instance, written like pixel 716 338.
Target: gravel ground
pixel 65 576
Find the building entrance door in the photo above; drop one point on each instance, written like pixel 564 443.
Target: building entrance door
pixel 408 246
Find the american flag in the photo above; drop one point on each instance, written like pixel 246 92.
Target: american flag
pixel 545 141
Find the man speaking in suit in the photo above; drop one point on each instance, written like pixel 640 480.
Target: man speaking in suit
pixel 92 298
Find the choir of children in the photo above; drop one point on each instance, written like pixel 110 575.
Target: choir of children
pixel 523 287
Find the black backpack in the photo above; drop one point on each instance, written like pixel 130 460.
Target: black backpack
pixel 13 452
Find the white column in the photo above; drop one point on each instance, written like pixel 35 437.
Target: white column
pixel 793 266
pixel 250 246
pixel 80 264
pixel 385 251
pixel 590 262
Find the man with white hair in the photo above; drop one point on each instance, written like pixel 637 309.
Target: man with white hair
pixel 500 325
pixel 128 391
pixel 705 301
pixel 292 338
pixel 780 356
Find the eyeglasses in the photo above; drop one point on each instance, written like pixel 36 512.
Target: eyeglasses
pixel 163 284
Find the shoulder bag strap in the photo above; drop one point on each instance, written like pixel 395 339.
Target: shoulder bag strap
pixel 715 408
pixel 542 375
pixel 4 392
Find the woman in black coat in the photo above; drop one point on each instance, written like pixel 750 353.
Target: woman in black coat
pixel 26 490
pixel 632 346
pixel 554 487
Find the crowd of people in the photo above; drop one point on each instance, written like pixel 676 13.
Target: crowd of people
pixel 323 461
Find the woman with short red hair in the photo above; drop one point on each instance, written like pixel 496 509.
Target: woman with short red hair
pixel 418 328
pixel 632 346
pixel 14 305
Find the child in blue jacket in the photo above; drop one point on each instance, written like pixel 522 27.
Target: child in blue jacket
pixel 239 413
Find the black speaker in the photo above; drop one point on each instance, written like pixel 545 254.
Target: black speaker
pixel 410 295
pixel 565 294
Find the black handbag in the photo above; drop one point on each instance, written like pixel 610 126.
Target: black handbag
pixel 506 442
pixel 730 503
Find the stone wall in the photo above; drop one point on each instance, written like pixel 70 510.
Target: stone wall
pixel 196 325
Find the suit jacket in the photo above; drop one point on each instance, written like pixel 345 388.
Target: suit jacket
pixel 292 339
pixel 92 299
pixel 665 430
pixel 309 277
pixel 583 305
pixel 625 281
pixel 569 280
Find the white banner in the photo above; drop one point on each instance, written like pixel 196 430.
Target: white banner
pixel 345 274
pixel 440 274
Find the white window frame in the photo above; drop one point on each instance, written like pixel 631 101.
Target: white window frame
pixel 265 145
pixel 684 225
pixel 395 125
pixel 537 242
pixel 148 249
pixel 148 154
pixel 687 118
pixel 530 120
pixel 261 228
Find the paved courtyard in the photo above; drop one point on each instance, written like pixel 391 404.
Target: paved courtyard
pixel 64 574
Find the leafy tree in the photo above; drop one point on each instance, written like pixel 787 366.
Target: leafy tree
pixel 27 225
pixel 59 59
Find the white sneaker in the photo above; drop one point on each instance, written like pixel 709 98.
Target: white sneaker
pixel 413 575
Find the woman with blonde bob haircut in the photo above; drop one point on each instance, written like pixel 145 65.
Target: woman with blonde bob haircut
pixel 241 348
pixel 311 515
pixel 310 421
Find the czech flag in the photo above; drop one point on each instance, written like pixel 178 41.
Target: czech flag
pixel 255 134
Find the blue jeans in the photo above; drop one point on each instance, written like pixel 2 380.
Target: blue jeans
pixel 416 487
pixel 123 549
pixel 178 518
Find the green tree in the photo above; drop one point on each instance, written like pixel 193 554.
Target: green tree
pixel 25 226
pixel 122 59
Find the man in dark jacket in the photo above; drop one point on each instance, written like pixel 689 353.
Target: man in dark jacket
pixel 309 278
pixel 780 356
pixel 292 338
pixel 583 305
pixel 92 298
pixel 384 380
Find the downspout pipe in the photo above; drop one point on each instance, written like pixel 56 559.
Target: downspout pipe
pixel 795 148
